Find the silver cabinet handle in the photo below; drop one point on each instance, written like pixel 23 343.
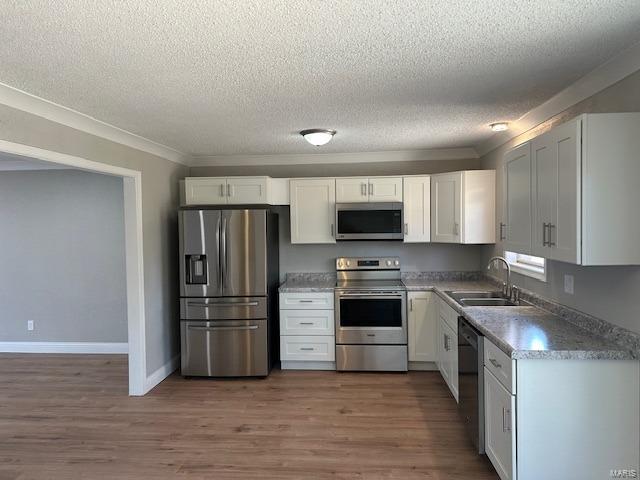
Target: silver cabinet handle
pixel 228 190
pixel 549 242
pixel 363 189
pixel 224 327
pixel 411 305
pixel 306 323
pixel 406 229
pixel 222 189
pixel 371 189
pixel 495 363
pixel 237 304
pixel 544 234
pixel 502 235
pixel 307 349
pixel 446 342
pixel 504 422
pixel 305 301
pixel 332 235
pixel 456 228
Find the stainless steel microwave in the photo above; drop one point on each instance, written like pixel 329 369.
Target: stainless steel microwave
pixel 369 221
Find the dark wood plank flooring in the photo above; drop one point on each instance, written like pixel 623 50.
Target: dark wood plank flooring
pixel 69 417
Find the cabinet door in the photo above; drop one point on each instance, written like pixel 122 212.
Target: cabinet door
pixel 500 433
pixel 205 191
pixel 352 190
pixel 446 207
pixel 385 189
pixel 247 190
pixel 313 210
pixel 452 346
pixel 516 230
pixel 443 352
pixel 422 321
pixel 416 193
pixel 545 184
pixel 565 228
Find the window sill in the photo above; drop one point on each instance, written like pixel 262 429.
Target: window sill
pixel 528 271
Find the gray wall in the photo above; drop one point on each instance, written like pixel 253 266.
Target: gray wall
pixel 418 257
pixel 342 169
pixel 610 293
pixel 62 258
pixel 160 199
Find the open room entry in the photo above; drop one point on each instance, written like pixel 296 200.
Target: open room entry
pixel 132 184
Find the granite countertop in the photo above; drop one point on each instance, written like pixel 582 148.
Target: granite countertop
pixel 522 332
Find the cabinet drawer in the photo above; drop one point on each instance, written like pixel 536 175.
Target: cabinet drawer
pixel 306 301
pixel 305 347
pixel 499 363
pixel 306 322
pixel 449 315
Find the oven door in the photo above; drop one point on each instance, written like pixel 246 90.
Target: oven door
pixel 369 221
pixel 370 318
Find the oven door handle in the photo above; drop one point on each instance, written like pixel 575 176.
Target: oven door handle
pixel 370 296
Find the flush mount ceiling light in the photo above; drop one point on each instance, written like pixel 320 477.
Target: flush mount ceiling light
pixel 318 136
pixel 499 126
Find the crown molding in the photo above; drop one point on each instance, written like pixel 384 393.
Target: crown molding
pixel 332 158
pixel 26 102
pixel 610 72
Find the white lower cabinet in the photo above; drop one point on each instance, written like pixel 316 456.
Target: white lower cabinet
pixel 447 334
pixel 568 418
pixel 307 331
pixel 422 321
pixel 500 436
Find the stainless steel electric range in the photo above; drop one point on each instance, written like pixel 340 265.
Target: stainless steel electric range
pixel 370 315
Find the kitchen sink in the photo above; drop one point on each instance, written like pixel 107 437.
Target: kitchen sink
pixel 481 299
pixel 487 302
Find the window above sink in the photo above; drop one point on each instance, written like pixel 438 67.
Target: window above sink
pixel 535 267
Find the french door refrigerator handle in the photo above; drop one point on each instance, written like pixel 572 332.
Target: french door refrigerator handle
pixel 223 253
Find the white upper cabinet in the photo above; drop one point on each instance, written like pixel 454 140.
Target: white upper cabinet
pixel 463 207
pixel 247 190
pixel 446 207
pixel 416 192
pixel 352 190
pixel 235 191
pixel 365 189
pixel 313 210
pixel 515 225
pixel 385 189
pixel 205 191
pixel 585 194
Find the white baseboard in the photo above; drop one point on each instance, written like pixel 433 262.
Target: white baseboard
pixel 160 374
pixel 64 347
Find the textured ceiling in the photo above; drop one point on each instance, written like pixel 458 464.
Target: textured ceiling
pixel 242 77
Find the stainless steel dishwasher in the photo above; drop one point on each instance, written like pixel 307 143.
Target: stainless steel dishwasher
pixel 471 381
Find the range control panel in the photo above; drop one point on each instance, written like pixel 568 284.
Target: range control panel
pixel 367 263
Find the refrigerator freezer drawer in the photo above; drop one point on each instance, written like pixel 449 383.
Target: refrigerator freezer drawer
pixel 223 308
pixel 227 348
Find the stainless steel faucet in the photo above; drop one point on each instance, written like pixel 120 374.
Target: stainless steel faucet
pixel 506 286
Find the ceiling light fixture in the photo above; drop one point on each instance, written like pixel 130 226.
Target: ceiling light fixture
pixel 318 136
pixel 499 126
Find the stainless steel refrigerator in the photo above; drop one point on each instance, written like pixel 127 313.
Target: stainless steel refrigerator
pixel 228 292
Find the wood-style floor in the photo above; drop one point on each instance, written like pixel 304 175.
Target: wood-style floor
pixel 69 417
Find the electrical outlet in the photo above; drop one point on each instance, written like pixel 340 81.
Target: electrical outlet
pixel 29 325
pixel 568 284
